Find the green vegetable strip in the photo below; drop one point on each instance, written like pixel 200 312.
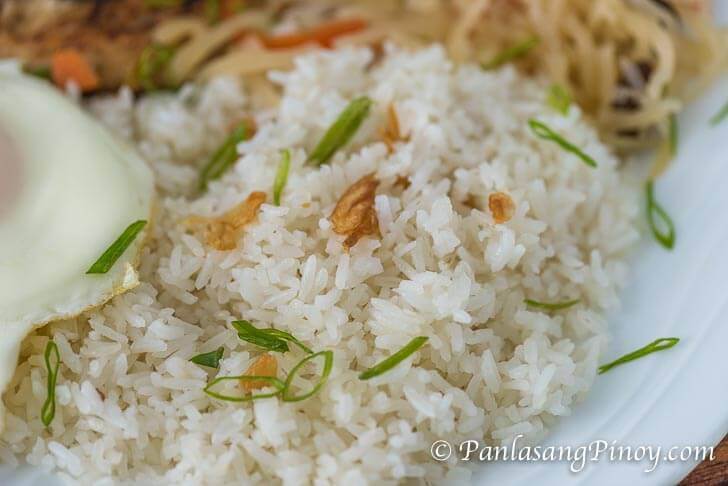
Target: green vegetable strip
pixel 211 359
pixel 559 99
pixel 673 134
pixel 656 345
pixel 551 306
pixel 287 337
pixel 342 130
pixel 281 176
pixel 328 365
pixel 48 411
pixel 541 130
pixel 248 332
pixel 152 62
pixel 512 53
pixel 117 248
pixel 270 380
pixel 270 339
pixel 42 72
pixel 654 212
pixel 721 115
pixel 389 363
pixel 223 158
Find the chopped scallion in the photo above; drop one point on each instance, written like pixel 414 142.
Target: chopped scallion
pixel 542 130
pixel 268 380
pixel 551 306
pixel 248 332
pixel 117 248
pixel 150 67
pixel 281 176
pixel 665 234
pixel 224 157
pixel 656 345
pixel 512 53
pixel 270 339
pixel 673 135
pixel 389 363
pixel 287 337
pixel 328 365
pixel 341 131
pixel 559 99
pixel 721 115
pixel 48 411
pixel 211 359
pixel 42 72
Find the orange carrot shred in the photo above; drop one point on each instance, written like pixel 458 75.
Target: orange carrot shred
pixel 324 34
pixel 264 365
pixel 71 65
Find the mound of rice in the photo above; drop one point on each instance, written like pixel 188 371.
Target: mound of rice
pixel 130 404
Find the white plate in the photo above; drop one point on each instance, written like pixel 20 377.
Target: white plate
pixel 674 398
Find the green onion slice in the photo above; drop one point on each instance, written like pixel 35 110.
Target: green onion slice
pixel 328 365
pixel 211 359
pixel 341 131
pixel 542 130
pixel 656 345
pixel 551 306
pixel 224 157
pixel 512 53
pixel 389 363
pixel 270 339
pixel 151 65
pixel 664 229
pixel 269 380
pixel 48 411
pixel 42 72
pixel 673 134
pixel 281 176
pixel 248 332
pixel 559 99
pixel 288 337
pixel 117 248
pixel 721 115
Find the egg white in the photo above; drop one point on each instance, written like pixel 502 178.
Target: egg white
pixel 74 190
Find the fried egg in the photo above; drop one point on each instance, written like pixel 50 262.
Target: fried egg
pixel 68 189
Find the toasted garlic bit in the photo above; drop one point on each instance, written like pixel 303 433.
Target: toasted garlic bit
pixel 402 181
pixel 391 132
pixel 264 365
pixel 223 232
pixel 354 214
pixel 501 207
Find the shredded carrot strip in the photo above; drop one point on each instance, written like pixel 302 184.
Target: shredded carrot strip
pixel 72 65
pixel 323 35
